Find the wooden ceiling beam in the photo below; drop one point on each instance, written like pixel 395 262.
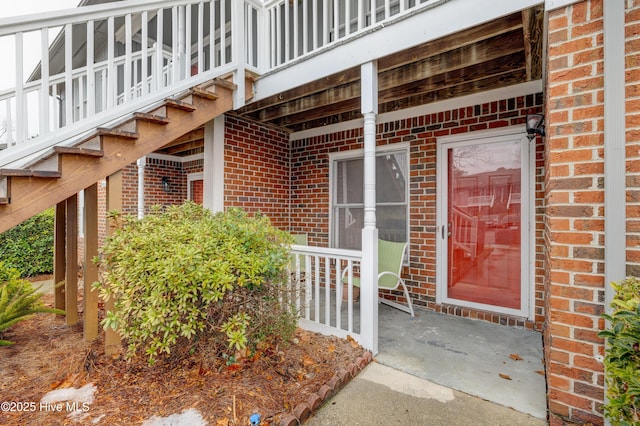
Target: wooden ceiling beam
pixel 460 58
pixel 308 103
pixel 338 79
pixel 319 113
pixel 453 77
pixel 466 88
pixel 325 121
pixel 445 44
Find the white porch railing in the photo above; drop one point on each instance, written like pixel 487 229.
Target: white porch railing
pixel 318 273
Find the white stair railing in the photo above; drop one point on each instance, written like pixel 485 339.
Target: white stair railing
pixel 96 63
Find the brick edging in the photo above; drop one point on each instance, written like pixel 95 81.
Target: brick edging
pixel 303 410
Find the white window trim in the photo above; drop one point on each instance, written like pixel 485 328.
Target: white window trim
pixel 528 265
pixel 357 154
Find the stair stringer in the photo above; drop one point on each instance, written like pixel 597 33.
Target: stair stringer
pixel 30 195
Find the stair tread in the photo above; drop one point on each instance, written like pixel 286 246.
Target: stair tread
pixel 118 133
pixel 152 118
pixel 174 103
pixel 203 93
pixel 225 84
pixel 79 151
pixel 29 173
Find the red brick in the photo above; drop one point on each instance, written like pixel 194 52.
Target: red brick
pixel 574 346
pixel 571 399
pixel 572 292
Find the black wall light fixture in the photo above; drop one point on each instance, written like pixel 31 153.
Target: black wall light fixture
pixel 166 185
pixel 535 125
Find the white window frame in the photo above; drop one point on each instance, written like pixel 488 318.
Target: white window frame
pixel 359 154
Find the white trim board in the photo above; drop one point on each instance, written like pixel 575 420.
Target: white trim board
pixel 524 89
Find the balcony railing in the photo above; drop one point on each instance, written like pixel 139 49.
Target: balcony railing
pixel 96 64
pixel 298 28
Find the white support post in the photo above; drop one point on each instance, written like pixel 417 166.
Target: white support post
pixel 369 271
pixel 213 173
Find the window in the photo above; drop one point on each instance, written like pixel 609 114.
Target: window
pixel 347 201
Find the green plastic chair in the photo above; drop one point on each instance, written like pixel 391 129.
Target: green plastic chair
pixel 390 260
pixel 300 240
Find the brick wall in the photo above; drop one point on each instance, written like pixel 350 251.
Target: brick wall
pixel 633 138
pixel 574 223
pixel 310 190
pixel 256 174
pixel 154 171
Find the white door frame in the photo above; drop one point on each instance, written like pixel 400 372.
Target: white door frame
pixel 513 133
pixel 190 178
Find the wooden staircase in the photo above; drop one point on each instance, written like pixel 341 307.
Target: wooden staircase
pixel 63 171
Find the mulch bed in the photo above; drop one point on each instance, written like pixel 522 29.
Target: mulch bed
pixel 283 383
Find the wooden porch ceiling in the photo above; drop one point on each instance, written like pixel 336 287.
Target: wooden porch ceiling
pixel 494 55
pixel 497 54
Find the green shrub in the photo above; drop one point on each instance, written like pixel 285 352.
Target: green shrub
pixel 28 247
pixel 622 357
pixel 185 276
pixel 18 300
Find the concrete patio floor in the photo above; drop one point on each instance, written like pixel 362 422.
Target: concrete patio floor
pixel 466 355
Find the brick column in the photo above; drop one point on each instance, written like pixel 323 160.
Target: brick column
pixel 574 216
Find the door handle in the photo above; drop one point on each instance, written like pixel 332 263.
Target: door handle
pixel 444 230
